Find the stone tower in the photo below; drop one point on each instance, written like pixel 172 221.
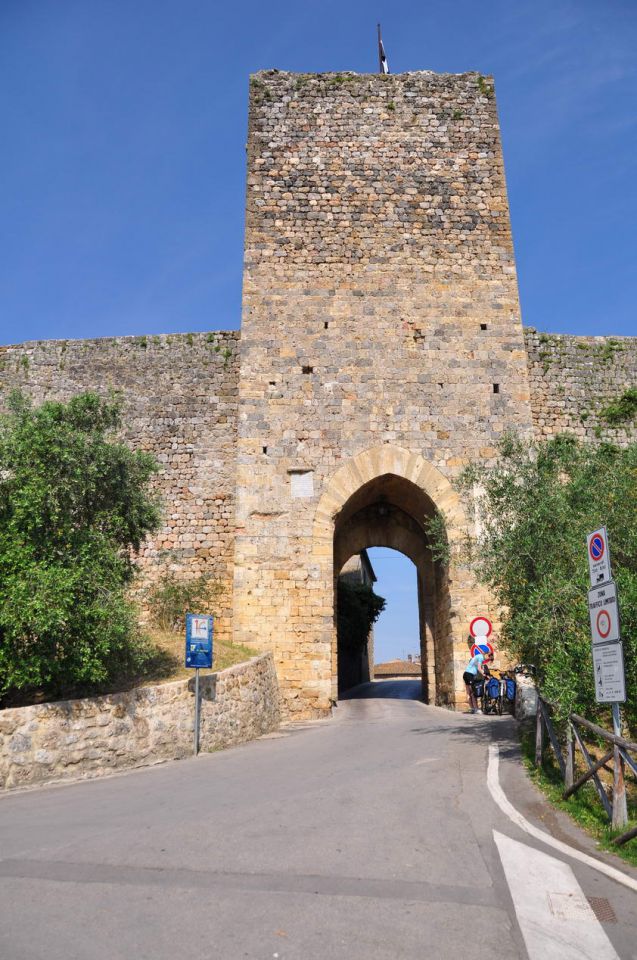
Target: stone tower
pixel 381 352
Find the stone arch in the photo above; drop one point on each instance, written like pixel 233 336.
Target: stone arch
pixel 347 520
pixel 373 463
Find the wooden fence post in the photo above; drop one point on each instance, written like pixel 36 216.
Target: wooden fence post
pixel 625 837
pixel 620 812
pixel 569 772
pixel 598 783
pixel 539 734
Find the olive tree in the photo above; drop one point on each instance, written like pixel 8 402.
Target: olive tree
pixel 534 508
pixel 75 505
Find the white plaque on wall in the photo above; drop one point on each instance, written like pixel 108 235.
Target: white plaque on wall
pixel 302 483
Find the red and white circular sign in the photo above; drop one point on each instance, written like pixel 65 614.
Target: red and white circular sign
pixel 480 627
pixel 603 623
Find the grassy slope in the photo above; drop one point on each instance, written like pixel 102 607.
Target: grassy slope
pixel 170 664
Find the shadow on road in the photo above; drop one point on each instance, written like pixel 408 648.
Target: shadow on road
pixel 386 690
pixel 483 730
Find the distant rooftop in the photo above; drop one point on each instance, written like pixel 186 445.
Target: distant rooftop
pixel 394 668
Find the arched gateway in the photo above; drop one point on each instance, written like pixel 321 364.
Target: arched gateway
pixel 384 497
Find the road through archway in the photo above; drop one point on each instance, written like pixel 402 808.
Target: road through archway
pixel 390 511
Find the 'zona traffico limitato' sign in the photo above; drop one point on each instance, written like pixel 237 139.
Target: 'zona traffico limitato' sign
pixel 604 614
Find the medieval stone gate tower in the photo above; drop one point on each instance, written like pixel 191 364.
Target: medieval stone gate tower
pixel 382 350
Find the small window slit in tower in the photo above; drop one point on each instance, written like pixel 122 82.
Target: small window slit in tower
pixel 496 387
pixel 483 326
pixel 308 369
pixel 265 449
pixel 325 325
pixel 441 385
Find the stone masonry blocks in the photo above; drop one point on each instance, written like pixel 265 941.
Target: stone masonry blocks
pixel 78 739
pixel 377 247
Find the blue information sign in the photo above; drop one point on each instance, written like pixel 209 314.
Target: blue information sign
pixel 198 640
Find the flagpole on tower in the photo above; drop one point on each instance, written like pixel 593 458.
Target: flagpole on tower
pixel 383 66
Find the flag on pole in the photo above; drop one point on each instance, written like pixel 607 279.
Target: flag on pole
pixel 382 56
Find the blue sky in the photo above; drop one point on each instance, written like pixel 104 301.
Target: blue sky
pixel 396 633
pixel 124 124
pixel 122 166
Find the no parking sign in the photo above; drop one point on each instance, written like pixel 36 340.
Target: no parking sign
pixel 598 557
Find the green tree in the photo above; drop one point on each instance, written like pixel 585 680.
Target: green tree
pixel 74 507
pixel 358 609
pixel 534 509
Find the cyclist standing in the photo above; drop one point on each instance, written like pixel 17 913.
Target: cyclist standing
pixel 476 668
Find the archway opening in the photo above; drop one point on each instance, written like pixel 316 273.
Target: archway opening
pixel 396 639
pixel 392 512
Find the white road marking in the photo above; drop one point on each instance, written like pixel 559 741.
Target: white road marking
pixel 555 918
pixel 507 808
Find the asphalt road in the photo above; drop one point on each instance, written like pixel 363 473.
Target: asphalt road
pixel 367 836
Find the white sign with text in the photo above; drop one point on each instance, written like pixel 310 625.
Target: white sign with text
pixel 608 667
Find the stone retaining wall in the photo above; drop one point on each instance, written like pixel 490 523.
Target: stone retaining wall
pixel 78 739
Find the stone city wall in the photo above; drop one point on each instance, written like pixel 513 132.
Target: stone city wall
pixel 179 395
pixel 78 739
pixel 573 380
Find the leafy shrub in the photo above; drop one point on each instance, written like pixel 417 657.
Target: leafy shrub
pixel 622 409
pixel 170 599
pixel 74 506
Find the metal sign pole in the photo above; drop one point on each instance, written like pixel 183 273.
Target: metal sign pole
pixel 198 654
pixel 608 655
pixel 617 720
pixel 196 737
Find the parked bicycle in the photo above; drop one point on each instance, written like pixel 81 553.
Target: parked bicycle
pixel 498 693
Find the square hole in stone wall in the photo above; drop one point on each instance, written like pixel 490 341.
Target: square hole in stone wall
pixel 483 326
pixel 307 369
pixel 496 387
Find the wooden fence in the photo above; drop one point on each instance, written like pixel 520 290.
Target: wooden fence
pixel 616 758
